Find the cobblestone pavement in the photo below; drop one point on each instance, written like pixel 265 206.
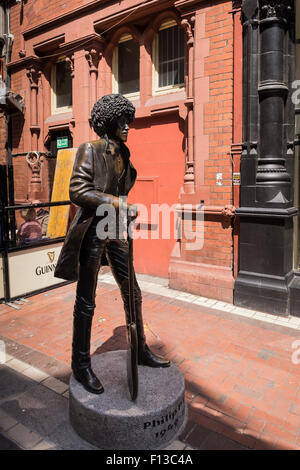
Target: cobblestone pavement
pixel 241 367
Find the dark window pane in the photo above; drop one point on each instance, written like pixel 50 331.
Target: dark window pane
pixel 63 85
pixel 129 67
pixel 170 56
pixel 181 71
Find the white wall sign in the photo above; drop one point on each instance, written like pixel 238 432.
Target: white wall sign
pixel 219 179
pixel 236 178
pixel 33 269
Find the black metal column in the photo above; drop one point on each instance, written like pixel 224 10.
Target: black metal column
pixel 267 211
pixel 4 230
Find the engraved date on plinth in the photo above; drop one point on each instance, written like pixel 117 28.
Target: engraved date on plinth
pixel 168 422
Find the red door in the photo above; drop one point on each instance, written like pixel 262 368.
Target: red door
pixel 156 146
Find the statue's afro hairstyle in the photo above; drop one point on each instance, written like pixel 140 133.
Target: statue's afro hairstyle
pixel 107 110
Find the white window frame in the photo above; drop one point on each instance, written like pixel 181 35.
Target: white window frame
pixel 156 89
pixel 54 109
pixel 115 69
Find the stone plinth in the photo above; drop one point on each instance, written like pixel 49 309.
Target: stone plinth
pixel 112 420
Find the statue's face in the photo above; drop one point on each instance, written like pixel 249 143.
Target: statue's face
pixel 122 129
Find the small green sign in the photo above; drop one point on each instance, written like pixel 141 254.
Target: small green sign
pixel 62 142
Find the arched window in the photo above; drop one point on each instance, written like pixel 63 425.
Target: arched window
pixel 168 55
pixel 61 87
pixel 126 67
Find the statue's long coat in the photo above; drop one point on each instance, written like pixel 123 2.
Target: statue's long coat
pixel 92 182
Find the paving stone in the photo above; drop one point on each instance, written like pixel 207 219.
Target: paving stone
pixel 46 445
pixel 24 436
pixel 216 441
pixel 295 320
pixel 244 311
pixel 8 357
pixel 65 437
pixel 263 355
pixel 17 365
pixel 38 408
pixel 198 436
pixel 210 302
pixel 55 385
pixel 6 421
pixel 220 305
pixel 247 391
pixel 200 301
pixel 222 398
pixel 7 444
pixel 283 323
pixel 260 315
pixel 189 427
pixel 12 384
pixel 35 374
pixel 175 445
pixel 240 312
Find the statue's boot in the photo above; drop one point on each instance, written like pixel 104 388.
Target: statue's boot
pixel 145 356
pixel 81 360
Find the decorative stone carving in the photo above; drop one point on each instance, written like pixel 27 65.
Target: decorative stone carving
pixel 228 211
pixel 93 57
pixel 70 61
pixel 33 73
pixel 249 9
pixel 189 177
pixel 275 8
pixel 188 26
pixel 34 161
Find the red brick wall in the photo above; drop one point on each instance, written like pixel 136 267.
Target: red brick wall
pixel 218 125
pixel 208 270
pixel 217 248
pixel 218 118
pixel 36 12
pixel 20 179
pixel 218 122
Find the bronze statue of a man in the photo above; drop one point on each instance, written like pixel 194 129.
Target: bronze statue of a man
pixel 102 174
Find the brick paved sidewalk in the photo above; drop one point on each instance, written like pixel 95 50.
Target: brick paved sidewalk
pixel 240 367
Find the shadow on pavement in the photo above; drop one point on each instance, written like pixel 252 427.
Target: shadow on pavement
pixel 45 412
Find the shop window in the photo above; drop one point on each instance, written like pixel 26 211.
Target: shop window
pixel 126 67
pixel 168 55
pixel 61 86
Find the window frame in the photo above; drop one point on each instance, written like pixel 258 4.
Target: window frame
pixel 156 89
pixel 115 68
pixel 54 108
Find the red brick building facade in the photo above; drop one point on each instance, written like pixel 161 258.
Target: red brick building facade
pixel 186 139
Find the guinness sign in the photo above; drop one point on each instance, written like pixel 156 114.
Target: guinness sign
pixel 33 269
pixel 51 256
pixel 48 268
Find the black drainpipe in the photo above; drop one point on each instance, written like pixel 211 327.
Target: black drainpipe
pixel 11 191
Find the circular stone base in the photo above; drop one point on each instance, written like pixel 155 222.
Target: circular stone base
pixel 112 420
